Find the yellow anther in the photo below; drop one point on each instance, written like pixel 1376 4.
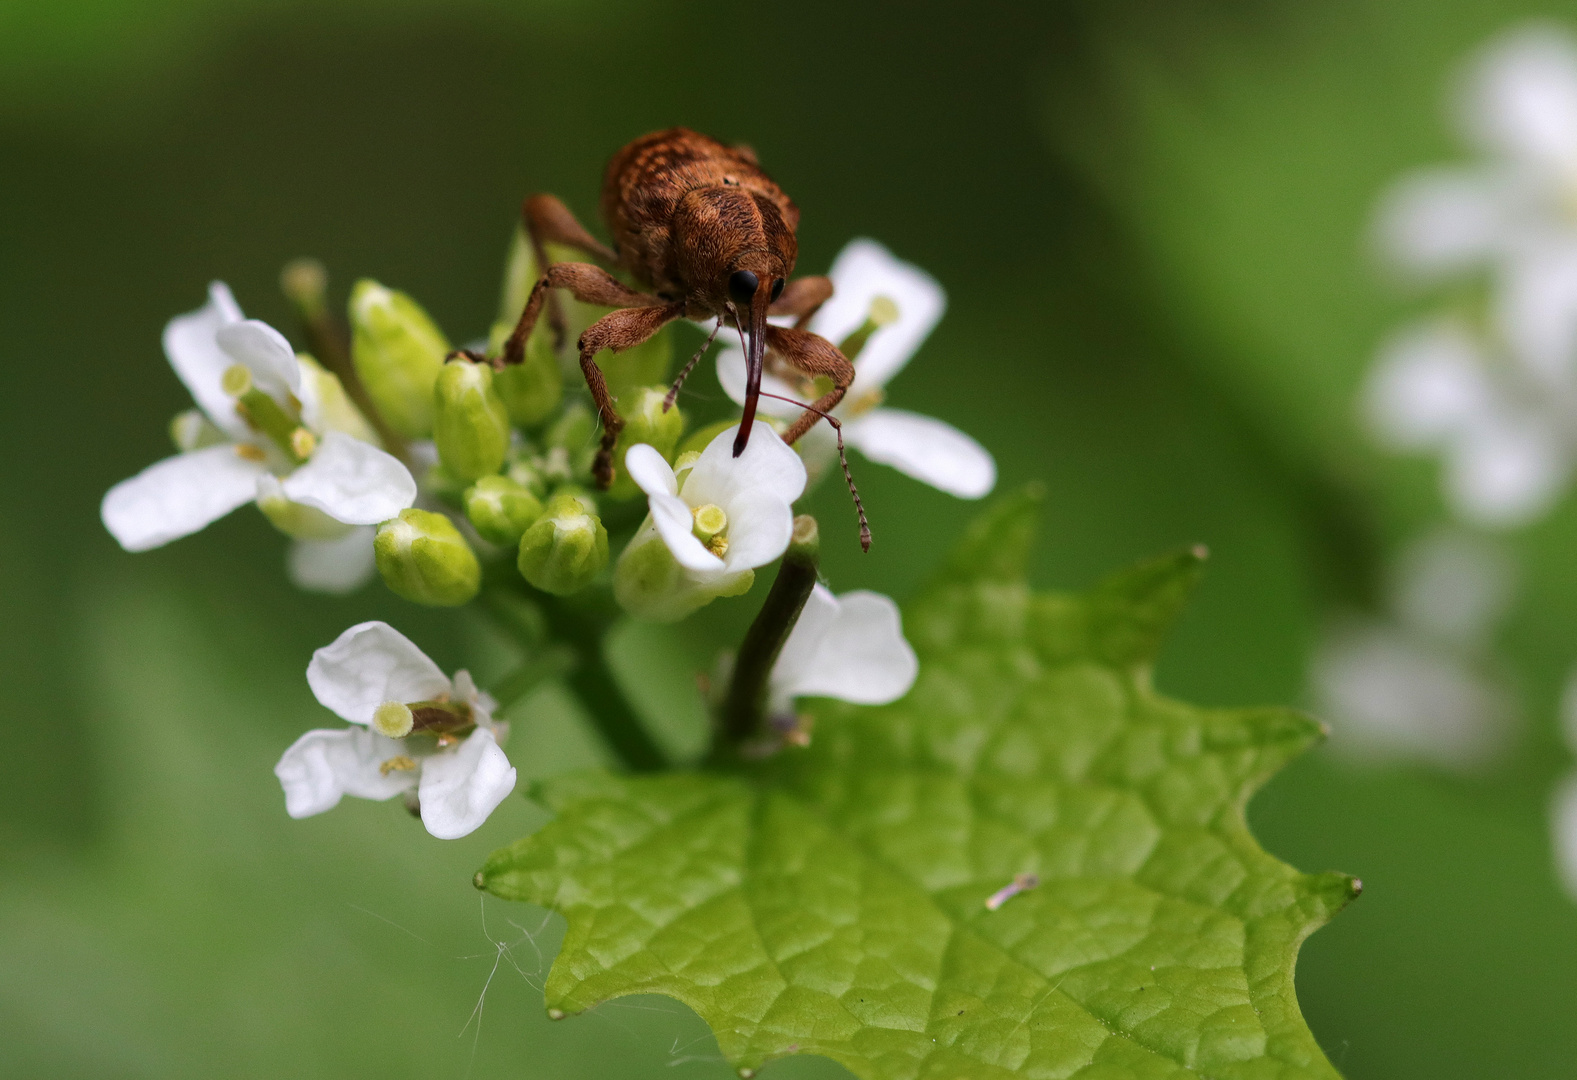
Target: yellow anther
pixel 710 521
pixel 883 311
pixel 718 546
pixel 393 720
pixel 398 763
pixel 236 380
pixel 303 442
pixel 250 452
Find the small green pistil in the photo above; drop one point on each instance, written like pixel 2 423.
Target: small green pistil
pixel 710 521
pixel 882 312
pixel 393 720
pixel 266 415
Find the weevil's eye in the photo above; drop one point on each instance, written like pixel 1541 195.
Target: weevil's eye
pixel 777 289
pixel 742 286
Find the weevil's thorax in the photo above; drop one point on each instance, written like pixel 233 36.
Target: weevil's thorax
pixel 685 211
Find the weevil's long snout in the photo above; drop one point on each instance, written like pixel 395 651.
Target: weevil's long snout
pixel 756 294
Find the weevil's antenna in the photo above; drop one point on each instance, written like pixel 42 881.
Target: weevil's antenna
pixel 843 459
pixel 673 391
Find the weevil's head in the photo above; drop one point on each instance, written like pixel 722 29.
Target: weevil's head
pixel 734 250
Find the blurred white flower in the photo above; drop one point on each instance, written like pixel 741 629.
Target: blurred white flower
pixel 416 731
pixel 1495 395
pixel 308 463
pixel 930 450
pixel 849 647
pixel 1417 684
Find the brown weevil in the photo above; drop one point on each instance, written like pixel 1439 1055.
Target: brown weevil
pixel 711 236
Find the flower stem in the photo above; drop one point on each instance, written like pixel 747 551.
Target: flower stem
pixel 579 626
pixel 744 709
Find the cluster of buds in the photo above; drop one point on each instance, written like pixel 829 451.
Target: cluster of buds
pixel 383 450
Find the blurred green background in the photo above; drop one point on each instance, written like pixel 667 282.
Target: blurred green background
pixel 1149 218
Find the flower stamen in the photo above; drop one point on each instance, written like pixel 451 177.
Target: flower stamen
pixel 398 763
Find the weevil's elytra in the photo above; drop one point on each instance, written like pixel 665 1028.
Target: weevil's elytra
pixel 709 234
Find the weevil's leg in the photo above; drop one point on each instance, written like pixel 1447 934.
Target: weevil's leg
pixel 814 355
pixel 803 297
pixel 617 330
pixel 549 221
pixel 587 283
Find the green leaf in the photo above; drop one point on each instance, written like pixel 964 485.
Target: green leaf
pixel 832 901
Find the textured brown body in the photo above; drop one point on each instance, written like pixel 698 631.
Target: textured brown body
pixel 682 178
pixel 701 226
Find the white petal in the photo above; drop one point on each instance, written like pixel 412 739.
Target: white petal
pixel 483 704
pixel 335 566
pixel 760 523
pixel 194 353
pixel 1563 833
pixel 651 473
pixel 1521 101
pixel 177 496
pixel 369 664
pixel 1440 221
pixel 675 525
pixel 851 648
pixel 731 373
pixel 1506 470
pixel 266 353
pixel 930 450
pixel 1536 306
pixel 767 465
pixel 1428 384
pixel 863 271
pixel 461 787
pixel 352 481
pixel 322 766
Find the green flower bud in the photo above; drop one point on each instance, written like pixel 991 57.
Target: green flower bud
pixel 533 388
pixel 574 429
pixel 645 422
pixel 501 509
pixel 571 445
pixel 526 469
pixel 398 352
pixel 424 559
pixel 471 427
pixel 565 549
pixel 644 365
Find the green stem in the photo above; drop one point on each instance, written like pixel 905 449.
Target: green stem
pixel 564 639
pixel 744 709
pixel 592 680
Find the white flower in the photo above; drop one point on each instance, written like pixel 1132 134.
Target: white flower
pixel 343 482
pixel 728 516
pixel 374 677
pixel 1417 684
pixel 1508 443
pixel 923 447
pixel 1497 399
pixel 1517 106
pixel 849 647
